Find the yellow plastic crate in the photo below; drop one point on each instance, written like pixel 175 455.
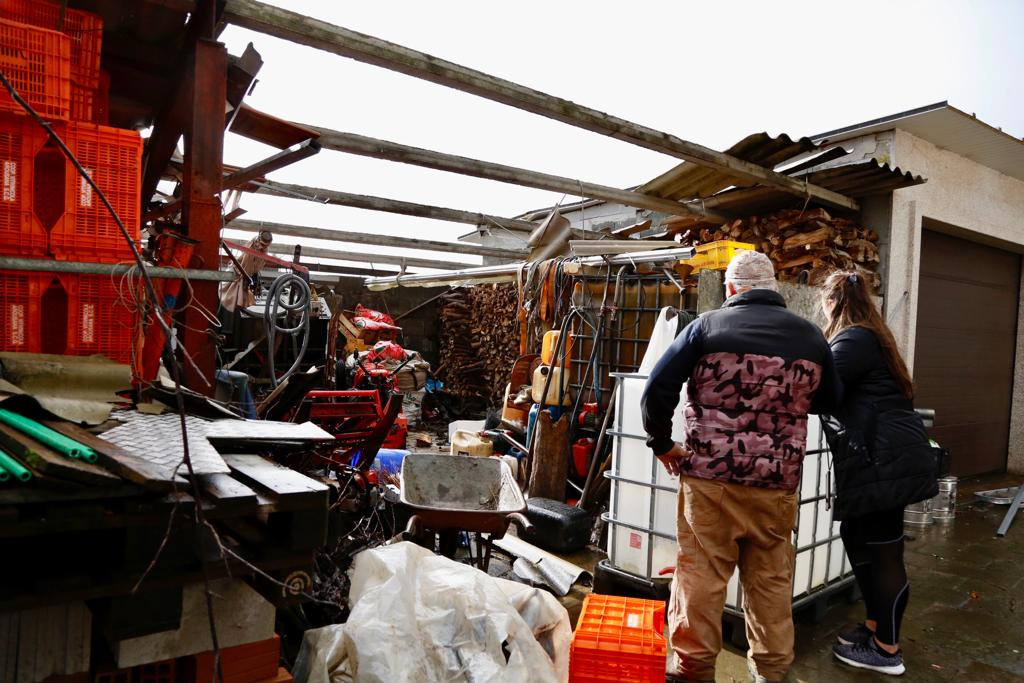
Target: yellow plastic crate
pixel 716 255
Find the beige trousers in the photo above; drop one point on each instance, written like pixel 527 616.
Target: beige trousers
pixel 720 526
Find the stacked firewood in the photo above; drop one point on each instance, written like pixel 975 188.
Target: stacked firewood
pixel 479 340
pixel 805 246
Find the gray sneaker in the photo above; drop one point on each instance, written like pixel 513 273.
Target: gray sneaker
pixel 859 634
pixel 871 657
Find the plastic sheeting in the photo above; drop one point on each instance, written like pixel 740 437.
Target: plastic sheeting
pixel 420 617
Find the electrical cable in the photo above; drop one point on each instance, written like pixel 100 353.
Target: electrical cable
pixel 293 304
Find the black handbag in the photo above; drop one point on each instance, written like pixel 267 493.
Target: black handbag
pixel 888 462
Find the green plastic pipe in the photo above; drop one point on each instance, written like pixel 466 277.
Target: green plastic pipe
pixel 4 475
pixel 45 435
pixel 14 467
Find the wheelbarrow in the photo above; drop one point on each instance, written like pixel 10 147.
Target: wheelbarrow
pixel 450 494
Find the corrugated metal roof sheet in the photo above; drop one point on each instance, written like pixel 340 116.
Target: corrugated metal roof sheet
pixel 693 181
pixel 949 128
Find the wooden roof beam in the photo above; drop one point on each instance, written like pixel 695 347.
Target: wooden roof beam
pixel 393 151
pixel 377 240
pixel 371 203
pixel 322 35
pixel 411 262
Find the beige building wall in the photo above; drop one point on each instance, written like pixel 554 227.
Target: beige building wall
pixel 962 198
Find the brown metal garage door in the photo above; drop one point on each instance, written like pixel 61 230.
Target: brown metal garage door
pixel 966 338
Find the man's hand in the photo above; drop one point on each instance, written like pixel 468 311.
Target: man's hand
pixel 673 458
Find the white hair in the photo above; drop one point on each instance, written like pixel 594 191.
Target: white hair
pixel 751 270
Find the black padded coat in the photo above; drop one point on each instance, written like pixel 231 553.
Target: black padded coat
pixel 889 461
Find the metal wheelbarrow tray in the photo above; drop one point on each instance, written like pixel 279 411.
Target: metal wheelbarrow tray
pixel 460 492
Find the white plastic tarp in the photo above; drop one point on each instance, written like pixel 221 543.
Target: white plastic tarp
pixel 420 617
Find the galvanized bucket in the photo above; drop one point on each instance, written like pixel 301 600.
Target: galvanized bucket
pixel 918 514
pixel 943 506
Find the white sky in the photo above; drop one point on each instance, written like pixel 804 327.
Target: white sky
pixel 710 72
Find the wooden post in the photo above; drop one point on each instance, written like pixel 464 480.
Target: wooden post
pixel 549 466
pixel 201 213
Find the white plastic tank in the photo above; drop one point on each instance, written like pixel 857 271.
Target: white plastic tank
pixel 642 507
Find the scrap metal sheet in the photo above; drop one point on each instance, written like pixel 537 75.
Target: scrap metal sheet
pixel 266 430
pixel 78 389
pixel 157 438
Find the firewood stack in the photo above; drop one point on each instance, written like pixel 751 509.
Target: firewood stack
pixel 805 246
pixel 479 340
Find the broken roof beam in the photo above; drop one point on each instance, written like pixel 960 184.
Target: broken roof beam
pixel 376 240
pixel 393 151
pixel 322 35
pixel 270 130
pixel 285 157
pixel 358 257
pixel 360 201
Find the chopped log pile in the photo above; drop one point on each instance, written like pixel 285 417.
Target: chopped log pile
pixel 805 246
pixel 479 340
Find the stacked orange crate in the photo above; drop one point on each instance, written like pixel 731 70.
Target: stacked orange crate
pixel 618 639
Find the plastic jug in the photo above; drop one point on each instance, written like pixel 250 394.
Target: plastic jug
pixel 549 346
pixel 555 396
pixel 469 443
pixel 582 451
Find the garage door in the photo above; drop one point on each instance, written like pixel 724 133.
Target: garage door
pixel 966 340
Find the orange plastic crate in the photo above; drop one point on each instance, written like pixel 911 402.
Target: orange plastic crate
pixel 248 663
pixel 84 29
pixel 99 321
pixel 20 310
pixel 21 138
pixel 82 99
pixel 37 62
pixel 113 157
pixel 618 639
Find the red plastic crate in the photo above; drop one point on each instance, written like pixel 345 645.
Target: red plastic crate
pixel 21 138
pixel 113 158
pixel 248 663
pixel 618 639
pixel 99 321
pixel 82 99
pixel 20 310
pixel 84 29
pixel 37 62
pixel 158 672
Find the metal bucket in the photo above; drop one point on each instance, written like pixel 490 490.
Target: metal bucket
pixel 918 514
pixel 943 506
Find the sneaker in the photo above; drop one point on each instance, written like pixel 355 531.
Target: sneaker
pixel 871 657
pixel 858 635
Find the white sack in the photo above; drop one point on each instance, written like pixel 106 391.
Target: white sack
pixel 420 617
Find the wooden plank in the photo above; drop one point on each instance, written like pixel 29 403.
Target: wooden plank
pixel 270 130
pixel 272 163
pixel 393 151
pixel 281 482
pixel 807 238
pixel 9 627
pixel 40 458
pixel 117 460
pixel 225 492
pixel 377 240
pixel 322 35
pixel 411 261
pixel 360 201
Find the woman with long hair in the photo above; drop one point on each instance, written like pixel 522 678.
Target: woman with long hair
pixel 883 461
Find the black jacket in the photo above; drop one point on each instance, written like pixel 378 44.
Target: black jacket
pixel 753 371
pixel 895 464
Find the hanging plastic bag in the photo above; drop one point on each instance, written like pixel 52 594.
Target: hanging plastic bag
pixel 662 336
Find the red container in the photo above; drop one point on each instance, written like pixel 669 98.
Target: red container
pixel 158 672
pixel 21 138
pixel 82 103
pixel 20 310
pixel 247 663
pixel 582 451
pixel 37 62
pixel 113 158
pixel 618 639
pixel 84 29
pixel 100 319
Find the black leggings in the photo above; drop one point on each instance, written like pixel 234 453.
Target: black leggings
pixel 874 544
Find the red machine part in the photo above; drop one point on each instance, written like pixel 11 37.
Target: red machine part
pixel 353 416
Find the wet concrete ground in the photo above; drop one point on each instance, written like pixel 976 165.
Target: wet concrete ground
pixel 965 619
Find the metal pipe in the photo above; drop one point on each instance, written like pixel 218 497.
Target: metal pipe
pixel 44 266
pixel 507 272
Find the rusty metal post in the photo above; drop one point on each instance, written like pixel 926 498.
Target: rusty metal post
pixel 201 213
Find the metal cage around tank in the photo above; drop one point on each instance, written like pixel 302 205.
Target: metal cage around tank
pixel 642 508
